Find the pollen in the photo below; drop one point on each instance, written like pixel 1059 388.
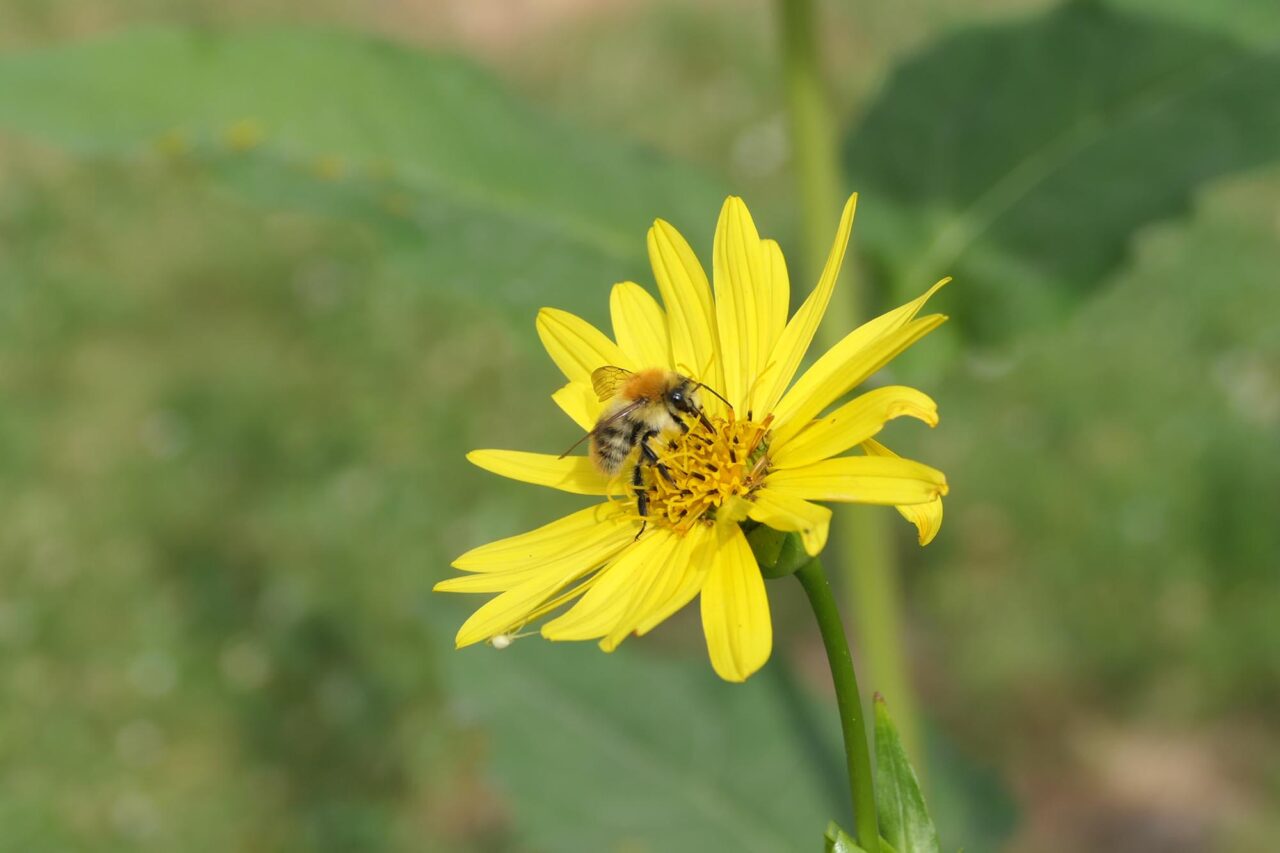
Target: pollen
pixel 707 468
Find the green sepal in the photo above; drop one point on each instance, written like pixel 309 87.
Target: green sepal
pixel 779 554
pixel 900 809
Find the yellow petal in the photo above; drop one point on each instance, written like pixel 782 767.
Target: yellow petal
pixel 735 609
pixel 927 517
pixel 512 608
pixel 776 301
pixel 698 543
pixel 495 581
pixel 843 367
pixel 559 600
pixel 787 353
pixel 601 525
pixel 639 325
pixel 576 346
pixel 656 586
pixel 853 423
pixel 784 511
pixel 739 269
pixel 610 596
pixel 862 479
pixel 540 565
pixel 690 312
pixel 575 474
pixel 579 402
pixel 858 339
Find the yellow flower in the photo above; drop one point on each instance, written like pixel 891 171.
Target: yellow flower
pixel 766 459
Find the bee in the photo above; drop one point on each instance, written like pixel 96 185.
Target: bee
pixel 643 406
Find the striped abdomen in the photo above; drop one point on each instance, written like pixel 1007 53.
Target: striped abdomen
pixel 611 443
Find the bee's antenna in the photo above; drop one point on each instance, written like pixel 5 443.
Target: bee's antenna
pixel 717 393
pixel 688 372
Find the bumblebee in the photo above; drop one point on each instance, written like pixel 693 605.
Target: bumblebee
pixel 642 406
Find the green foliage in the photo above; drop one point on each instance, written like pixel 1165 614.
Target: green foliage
pixel 192 659
pixel 335 104
pixel 1251 22
pixel 904 819
pixel 282 499
pixel 1151 414
pixel 263 499
pixel 485 199
pixel 231 441
pixel 969 801
pixel 1022 158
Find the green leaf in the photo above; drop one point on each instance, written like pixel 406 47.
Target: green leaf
pixel 838 841
pixel 900 807
pixel 970 804
pixel 404 127
pixel 1022 158
pixel 1161 399
pixel 1255 22
pixel 627 751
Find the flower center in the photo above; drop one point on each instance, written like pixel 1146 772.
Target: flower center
pixel 708 467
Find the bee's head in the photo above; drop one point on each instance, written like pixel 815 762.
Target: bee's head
pixel 682 395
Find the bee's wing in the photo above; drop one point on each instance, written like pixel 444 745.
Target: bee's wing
pixel 608 380
pixel 604 422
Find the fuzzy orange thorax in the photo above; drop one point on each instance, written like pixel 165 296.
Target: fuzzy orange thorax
pixel 649 385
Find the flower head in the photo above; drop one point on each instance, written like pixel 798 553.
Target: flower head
pixel 763 450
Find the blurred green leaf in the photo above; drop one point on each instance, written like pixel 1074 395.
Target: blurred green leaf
pixel 970 804
pixel 904 819
pixel 1022 158
pixel 1255 22
pixel 479 197
pixel 606 752
pixel 1151 420
pixel 342 107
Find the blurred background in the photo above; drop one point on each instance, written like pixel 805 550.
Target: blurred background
pixel 268 269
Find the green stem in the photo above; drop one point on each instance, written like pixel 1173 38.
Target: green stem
pixel 852 720
pixel 876 600
pixel 813 147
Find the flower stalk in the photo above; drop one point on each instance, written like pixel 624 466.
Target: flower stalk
pixel 849 701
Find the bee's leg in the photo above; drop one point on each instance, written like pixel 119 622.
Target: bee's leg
pixel 642 497
pixel 651 456
pixel 702 417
